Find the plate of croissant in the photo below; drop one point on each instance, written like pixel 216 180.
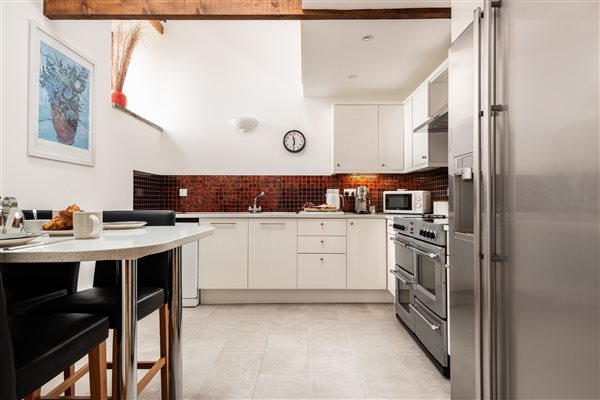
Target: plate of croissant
pixel 61 224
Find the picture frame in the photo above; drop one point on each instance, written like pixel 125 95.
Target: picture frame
pixel 61 93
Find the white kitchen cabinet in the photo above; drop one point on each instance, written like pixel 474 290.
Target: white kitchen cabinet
pixel 322 244
pixel 420 103
pixel 356 143
pixel 408 134
pixel 224 255
pixel 272 254
pixel 391 137
pixel 368 138
pixel 321 227
pixel 321 271
pixel 366 254
pixel 429 150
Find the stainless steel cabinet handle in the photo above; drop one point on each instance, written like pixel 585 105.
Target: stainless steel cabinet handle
pixel 322 241
pixel 432 326
pixel 352 223
pixel 321 258
pixel 338 164
pixel 400 278
pixel 322 223
pixel 383 164
pixel 272 223
pixel 223 223
pixel 424 253
pixel 424 157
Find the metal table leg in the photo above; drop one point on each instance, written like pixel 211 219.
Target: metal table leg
pixel 175 314
pixel 127 332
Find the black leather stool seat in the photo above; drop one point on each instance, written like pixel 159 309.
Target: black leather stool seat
pixel 21 301
pixel 45 344
pixel 103 301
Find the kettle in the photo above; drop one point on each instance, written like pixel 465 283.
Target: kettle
pixel 332 198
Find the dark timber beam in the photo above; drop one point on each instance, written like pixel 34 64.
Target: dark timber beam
pixel 221 9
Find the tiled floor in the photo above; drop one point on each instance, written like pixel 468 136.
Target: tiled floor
pixel 303 351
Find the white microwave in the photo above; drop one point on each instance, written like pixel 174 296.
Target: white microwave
pixel 407 202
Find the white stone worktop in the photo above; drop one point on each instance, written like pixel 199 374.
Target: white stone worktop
pixel 112 245
pixel 280 215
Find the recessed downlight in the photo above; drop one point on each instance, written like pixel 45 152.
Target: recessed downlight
pixel 352 76
pixel 368 38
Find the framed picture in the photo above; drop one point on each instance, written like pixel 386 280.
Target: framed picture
pixel 61 83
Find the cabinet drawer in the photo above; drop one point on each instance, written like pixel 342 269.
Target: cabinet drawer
pixel 322 244
pixel 321 271
pixel 321 227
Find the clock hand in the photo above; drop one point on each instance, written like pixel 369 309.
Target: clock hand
pixel 294 139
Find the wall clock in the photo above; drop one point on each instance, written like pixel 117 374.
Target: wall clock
pixel 294 141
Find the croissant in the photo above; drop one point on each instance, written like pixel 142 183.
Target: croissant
pixel 63 221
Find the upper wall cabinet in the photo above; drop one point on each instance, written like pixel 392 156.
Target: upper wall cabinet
pixel 425 149
pixel 368 138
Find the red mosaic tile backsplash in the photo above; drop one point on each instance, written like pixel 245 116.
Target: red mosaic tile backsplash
pixel 226 193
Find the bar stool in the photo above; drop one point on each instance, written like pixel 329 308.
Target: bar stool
pixel 103 298
pixel 29 360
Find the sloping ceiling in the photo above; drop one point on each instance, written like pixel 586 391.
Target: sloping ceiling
pixel 399 56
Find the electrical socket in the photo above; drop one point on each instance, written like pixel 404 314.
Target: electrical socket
pixel 349 192
pixel 182 192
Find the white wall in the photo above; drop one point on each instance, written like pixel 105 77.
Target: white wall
pixel 199 74
pixel 122 143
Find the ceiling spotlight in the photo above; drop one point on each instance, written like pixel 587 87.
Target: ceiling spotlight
pixel 352 76
pixel 367 38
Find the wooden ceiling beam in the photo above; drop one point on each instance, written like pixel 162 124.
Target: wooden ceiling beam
pixel 221 10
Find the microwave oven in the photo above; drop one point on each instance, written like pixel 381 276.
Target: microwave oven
pixel 407 202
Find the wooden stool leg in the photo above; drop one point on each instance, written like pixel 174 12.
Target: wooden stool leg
pixel 115 371
pixel 97 362
pixel 164 345
pixel 67 373
pixel 35 395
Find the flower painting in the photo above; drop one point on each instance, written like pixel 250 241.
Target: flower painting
pixel 60 109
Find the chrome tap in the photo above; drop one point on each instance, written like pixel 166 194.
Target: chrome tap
pixel 254 209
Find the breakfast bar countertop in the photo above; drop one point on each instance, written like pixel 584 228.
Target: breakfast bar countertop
pixel 112 245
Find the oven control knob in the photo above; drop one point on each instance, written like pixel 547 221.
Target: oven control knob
pixel 432 235
pixel 422 232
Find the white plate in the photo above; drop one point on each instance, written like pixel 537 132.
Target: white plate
pixel 124 224
pixel 68 232
pixel 16 239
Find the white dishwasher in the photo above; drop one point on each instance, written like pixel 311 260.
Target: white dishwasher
pixel 189 265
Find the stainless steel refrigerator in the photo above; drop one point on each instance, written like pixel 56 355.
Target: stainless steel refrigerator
pixel 524 192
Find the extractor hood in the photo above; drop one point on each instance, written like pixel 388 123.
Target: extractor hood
pixel 436 124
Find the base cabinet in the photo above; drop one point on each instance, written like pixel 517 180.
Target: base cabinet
pixel 321 271
pixel 224 255
pixel 272 254
pixel 366 254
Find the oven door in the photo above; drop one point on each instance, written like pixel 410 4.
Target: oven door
pixel 430 276
pixel 432 331
pixel 404 297
pixel 398 203
pixel 403 254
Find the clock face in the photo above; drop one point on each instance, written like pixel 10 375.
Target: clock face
pixel 294 141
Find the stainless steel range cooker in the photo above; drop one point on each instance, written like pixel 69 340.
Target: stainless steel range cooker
pixel 421 283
